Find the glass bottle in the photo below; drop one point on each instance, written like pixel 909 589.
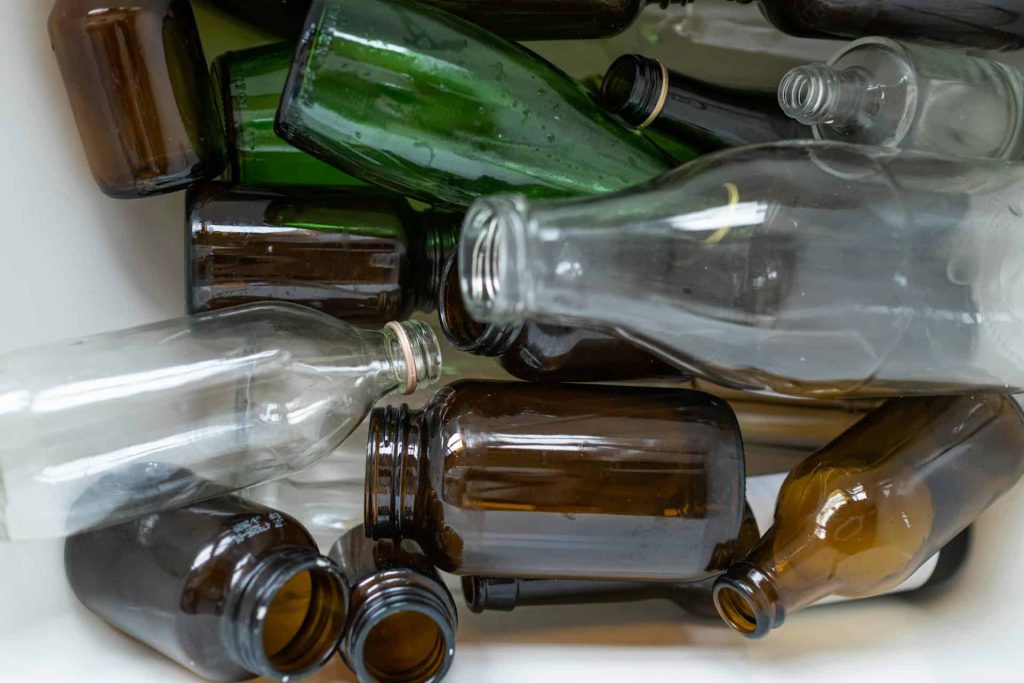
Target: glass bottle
pixel 877 91
pixel 229 589
pixel 432 107
pixel 403 618
pixel 707 117
pixel 985 24
pixel 359 255
pixel 231 399
pixel 865 512
pixel 248 85
pixel 283 18
pixel 803 269
pixel 140 91
pixel 560 481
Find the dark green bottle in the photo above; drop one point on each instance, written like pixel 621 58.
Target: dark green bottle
pixel 431 106
pixel 249 85
pixel 280 17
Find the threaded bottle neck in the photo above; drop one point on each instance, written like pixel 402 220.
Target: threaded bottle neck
pixel 747 600
pixel 440 242
pixel 393 457
pixel 414 354
pixel 401 606
pixel 635 87
pixel 483 593
pixel 293 585
pixel 493 265
pixel 817 94
pixel 465 333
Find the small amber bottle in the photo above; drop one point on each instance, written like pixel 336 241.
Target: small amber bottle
pixel 360 255
pixel 227 588
pixel 537 352
pixel 559 481
pixel 863 514
pixel 403 618
pixel 140 90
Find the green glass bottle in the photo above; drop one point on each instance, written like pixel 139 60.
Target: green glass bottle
pixel 249 85
pixel 433 107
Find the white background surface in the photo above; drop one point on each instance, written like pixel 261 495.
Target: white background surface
pixel 73 262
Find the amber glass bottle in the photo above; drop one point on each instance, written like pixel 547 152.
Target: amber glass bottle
pixel 561 481
pixel 140 90
pixel 403 618
pixel 861 515
pixel 227 588
pixel 537 352
pixel 358 254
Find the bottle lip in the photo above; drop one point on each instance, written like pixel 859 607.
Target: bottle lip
pixel 419 353
pixel 322 629
pixel 461 330
pixel 492 259
pixel 392 454
pixel 746 599
pixel 636 88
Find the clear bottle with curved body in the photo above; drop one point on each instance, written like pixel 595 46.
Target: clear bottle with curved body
pixel 866 511
pixel 704 116
pixel 985 24
pixel 432 107
pixel 561 481
pixel 359 255
pixel 804 269
pixel 229 589
pixel 877 91
pixel 229 399
pixel 140 91
pixel 248 85
pixel 403 619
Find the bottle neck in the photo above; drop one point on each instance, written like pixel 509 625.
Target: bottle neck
pixel 288 615
pixel 747 599
pixel 399 605
pixel 413 355
pixel 635 88
pixel 465 333
pixel 394 454
pixel 820 95
pixel 440 241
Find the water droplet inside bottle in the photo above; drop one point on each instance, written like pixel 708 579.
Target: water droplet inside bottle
pixel 1017 210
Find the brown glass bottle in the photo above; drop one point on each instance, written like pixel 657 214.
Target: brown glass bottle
pixel 141 93
pixel 706 117
pixel 986 24
pixel 559 481
pixel 227 588
pixel 357 254
pixel 538 352
pixel 866 511
pixel 403 618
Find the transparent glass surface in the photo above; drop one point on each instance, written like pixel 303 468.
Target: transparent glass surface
pixel 220 401
pixel 805 269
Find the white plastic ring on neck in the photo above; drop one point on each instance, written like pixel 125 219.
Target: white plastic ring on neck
pixel 661 99
pixel 410 358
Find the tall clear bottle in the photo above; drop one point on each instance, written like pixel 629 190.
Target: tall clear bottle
pixel 866 511
pixel 213 402
pixel 804 269
pixel 428 105
pixel 877 91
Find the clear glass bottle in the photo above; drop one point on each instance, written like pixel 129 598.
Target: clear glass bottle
pixel 560 481
pixel 862 515
pixel 877 91
pixel 805 269
pixel 440 110
pixel 706 117
pixel 140 91
pixel 357 254
pixel 230 399
pixel 248 85
pixel 229 589
pixel 403 618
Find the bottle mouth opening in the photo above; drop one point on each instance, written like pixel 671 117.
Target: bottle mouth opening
pixel 737 610
pixel 412 645
pixel 746 600
pixel 416 353
pixel 491 258
pixel 465 333
pixel 635 88
pixel 803 93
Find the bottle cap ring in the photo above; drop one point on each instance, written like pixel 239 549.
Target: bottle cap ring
pixel 410 358
pixel 660 104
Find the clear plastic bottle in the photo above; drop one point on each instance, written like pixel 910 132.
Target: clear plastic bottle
pixel 221 400
pixel 877 91
pixel 805 269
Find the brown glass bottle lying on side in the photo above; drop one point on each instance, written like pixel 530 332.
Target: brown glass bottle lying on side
pixel 706 117
pixel 862 515
pixel 357 254
pixel 140 91
pixel 544 353
pixel 227 588
pixel 403 618
pixel 559 481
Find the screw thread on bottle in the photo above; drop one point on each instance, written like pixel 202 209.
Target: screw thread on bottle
pixel 635 87
pixel 415 354
pixel 817 94
pixel 465 333
pixel 484 593
pixel 392 472
pixel 492 264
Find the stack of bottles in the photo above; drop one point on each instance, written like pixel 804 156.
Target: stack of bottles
pixel 751 353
